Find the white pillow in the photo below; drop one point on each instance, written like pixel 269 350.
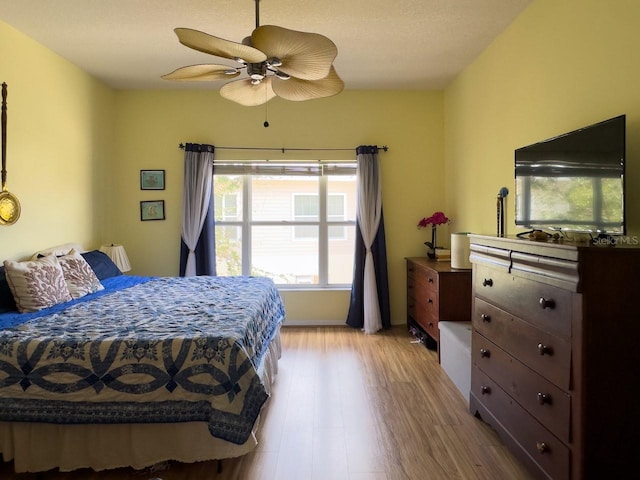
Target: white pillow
pixel 58 250
pixel 36 284
pixel 79 275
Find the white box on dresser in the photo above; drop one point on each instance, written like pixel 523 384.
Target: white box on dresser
pixel 455 354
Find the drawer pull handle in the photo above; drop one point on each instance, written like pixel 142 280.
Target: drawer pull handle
pixel 431 324
pixel 484 390
pixel 542 447
pixel 485 318
pixel 544 349
pixel 429 300
pixel 430 280
pixel 544 398
pixel 484 353
pixel 487 282
pixel 544 303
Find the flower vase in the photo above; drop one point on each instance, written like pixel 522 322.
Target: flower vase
pixel 432 247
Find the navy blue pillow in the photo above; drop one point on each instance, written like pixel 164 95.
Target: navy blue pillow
pixel 7 303
pixel 101 264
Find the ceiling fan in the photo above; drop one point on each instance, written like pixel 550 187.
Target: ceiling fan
pixel 278 62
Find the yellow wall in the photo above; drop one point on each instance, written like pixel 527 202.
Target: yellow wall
pixel 150 125
pixel 75 147
pixel 59 136
pixel 560 66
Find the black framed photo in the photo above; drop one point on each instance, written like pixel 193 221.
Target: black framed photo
pixel 152 210
pixel 151 179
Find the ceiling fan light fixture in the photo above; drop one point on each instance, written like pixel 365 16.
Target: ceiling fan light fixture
pixel 281 75
pixel 257 71
pixel 269 54
pixel 248 94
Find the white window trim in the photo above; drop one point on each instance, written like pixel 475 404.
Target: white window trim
pixel 246 170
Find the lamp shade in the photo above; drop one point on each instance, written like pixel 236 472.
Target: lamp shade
pixel 118 255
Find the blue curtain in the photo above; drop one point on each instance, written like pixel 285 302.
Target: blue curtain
pixel 368 157
pixel 205 249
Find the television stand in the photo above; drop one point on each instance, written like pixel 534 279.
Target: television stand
pixel 555 358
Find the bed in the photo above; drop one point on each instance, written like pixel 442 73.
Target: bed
pixel 138 370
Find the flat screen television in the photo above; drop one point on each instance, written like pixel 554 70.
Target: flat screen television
pixel 574 182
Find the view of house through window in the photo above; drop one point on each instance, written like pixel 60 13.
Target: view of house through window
pixel 294 223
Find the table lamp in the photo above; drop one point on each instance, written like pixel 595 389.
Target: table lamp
pixel 118 255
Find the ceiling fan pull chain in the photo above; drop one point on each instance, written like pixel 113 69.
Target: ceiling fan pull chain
pixel 266 108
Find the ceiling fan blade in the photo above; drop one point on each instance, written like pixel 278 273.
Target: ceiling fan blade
pixel 307 56
pixel 245 93
pixel 203 42
pixel 298 90
pixel 200 73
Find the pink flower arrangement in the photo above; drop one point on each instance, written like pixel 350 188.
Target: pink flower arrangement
pixel 438 218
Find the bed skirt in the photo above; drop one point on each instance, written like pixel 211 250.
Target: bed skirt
pixel 36 447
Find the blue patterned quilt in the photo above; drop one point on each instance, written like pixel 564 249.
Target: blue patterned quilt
pixel 164 350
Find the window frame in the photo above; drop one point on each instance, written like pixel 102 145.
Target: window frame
pixel 246 223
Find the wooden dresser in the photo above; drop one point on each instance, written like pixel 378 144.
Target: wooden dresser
pixel 436 292
pixel 556 354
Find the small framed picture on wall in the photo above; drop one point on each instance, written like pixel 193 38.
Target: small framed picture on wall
pixel 151 179
pixel 152 210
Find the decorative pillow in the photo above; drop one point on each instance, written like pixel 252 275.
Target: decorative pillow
pixel 36 284
pixel 79 276
pixel 101 264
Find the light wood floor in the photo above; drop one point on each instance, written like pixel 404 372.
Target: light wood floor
pixel 355 407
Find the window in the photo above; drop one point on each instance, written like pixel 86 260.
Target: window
pixel 306 207
pixel 230 206
pixel 294 223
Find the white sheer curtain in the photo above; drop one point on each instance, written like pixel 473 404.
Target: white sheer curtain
pixel 198 180
pixel 369 209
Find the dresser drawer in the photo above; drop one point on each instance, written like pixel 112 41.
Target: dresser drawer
pixel 436 292
pixel 547 354
pixel 427 281
pixel 427 313
pixel 411 306
pixel 547 307
pixel 542 447
pixel 411 287
pixel 550 405
pixel 428 276
pixel 411 272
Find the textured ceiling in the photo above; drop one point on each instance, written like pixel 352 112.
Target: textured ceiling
pixel 382 44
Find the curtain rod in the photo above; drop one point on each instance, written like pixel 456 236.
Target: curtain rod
pixel 283 149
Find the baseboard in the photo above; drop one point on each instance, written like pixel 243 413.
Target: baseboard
pixel 313 323
pixel 323 323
